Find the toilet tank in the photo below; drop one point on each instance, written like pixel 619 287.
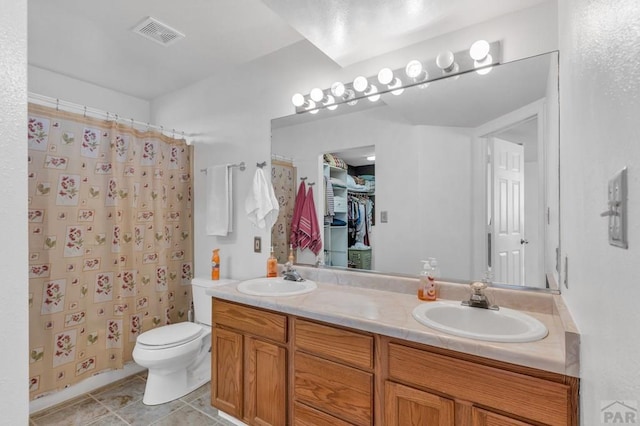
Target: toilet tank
pixel 201 300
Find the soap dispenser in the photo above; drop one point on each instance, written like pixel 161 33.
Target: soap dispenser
pixel 291 258
pixel 272 265
pixel 215 264
pixel 427 286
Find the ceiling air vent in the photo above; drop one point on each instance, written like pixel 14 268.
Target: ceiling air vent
pixel 157 31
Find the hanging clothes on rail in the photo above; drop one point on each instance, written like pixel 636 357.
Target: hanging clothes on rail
pixel 360 215
pixel 329 203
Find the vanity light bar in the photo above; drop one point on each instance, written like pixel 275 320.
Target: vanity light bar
pixel 481 57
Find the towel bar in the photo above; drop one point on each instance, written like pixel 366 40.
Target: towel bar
pixel 241 166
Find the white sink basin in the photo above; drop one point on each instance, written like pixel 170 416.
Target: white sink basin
pixel 276 287
pixel 504 325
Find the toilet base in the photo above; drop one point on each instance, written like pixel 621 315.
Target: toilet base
pixel 162 387
pixel 169 382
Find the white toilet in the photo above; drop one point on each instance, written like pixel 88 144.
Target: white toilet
pixel 178 356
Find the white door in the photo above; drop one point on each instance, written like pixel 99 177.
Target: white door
pixel 507 232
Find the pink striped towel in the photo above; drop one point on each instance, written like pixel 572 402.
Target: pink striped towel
pixel 309 230
pixel 297 212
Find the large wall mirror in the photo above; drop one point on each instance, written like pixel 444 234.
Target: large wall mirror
pixel 465 170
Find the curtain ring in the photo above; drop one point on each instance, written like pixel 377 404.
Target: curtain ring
pixel 57 104
pixel 85 112
pixel 148 126
pixel 173 133
pixel 116 118
pixel 107 115
pixel 132 123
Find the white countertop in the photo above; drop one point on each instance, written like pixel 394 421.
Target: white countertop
pixel 390 313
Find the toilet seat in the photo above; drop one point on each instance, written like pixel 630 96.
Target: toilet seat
pixel 170 335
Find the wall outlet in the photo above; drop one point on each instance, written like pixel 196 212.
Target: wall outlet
pixel 257 245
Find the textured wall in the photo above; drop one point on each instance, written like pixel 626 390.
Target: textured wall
pixel 52 84
pixel 600 134
pixel 13 210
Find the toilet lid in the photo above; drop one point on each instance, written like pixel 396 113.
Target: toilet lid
pixel 170 335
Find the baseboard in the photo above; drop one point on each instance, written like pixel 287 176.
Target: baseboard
pixel 230 419
pixel 83 387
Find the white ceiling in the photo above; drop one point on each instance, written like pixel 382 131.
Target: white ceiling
pixel 91 40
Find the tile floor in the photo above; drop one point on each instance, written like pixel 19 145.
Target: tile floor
pixel 120 404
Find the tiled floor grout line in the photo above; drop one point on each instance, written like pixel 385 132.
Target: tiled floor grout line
pixel 199 410
pixel 184 404
pixel 196 403
pixel 109 410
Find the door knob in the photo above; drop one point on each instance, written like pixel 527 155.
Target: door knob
pixel 523 241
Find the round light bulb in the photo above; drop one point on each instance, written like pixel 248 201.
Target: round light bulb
pixel 445 60
pixel 372 93
pixel 316 94
pixel 484 71
pixel 385 76
pixel 297 100
pixel 479 50
pixel 350 95
pixel 330 103
pixel 310 104
pixel 483 62
pixel 413 69
pixel 337 89
pixel 360 84
pixel 396 87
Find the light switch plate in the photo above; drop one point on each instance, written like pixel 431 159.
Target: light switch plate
pixel 617 199
pixel 257 244
pixel 384 217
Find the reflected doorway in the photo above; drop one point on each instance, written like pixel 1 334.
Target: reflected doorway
pixel 514 200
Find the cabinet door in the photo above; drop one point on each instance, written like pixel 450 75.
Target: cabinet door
pixel 405 406
pixel 487 418
pixel 265 383
pixel 226 372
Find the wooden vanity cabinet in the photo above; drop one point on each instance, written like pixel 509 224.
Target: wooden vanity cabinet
pixel 270 368
pixel 484 392
pixel 249 363
pixel 333 377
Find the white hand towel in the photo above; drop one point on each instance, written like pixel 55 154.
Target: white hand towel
pixel 261 203
pixel 219 200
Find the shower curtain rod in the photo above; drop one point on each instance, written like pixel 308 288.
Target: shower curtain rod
pixel 96 113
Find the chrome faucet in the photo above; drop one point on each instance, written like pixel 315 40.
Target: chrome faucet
pixel 478 299
pixel 291 274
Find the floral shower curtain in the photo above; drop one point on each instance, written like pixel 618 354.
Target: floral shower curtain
pixel 283 179
pixel 110 242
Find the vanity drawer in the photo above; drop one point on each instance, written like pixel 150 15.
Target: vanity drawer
pixel 257 322
pixel 530 397
pixel 339 344
pixel 307 416
pixel 343 392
